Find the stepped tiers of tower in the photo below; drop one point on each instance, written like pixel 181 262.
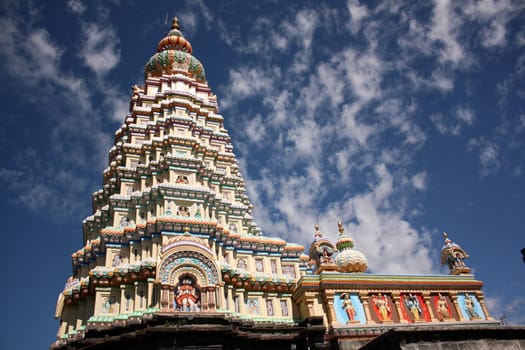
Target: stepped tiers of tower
pixel 172 251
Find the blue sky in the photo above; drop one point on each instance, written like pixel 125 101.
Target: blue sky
pixel 403 118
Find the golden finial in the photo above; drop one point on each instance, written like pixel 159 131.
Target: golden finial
pixel 175 23
pixel 340 226
pixel 317 232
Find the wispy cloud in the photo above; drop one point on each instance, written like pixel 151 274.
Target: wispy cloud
pixel 76 6
pixel 488 153
pixel 33 59
pixel 99 51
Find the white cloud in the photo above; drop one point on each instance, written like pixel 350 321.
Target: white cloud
pixel 466 115
pixel 255 130
pixel 357 13
pixel 76 6
pixel 419 181
pixel 99 51
pixel 444 30
pixel 463 115
pixel 245 82
pixel 389 242
pixel 364 72
pixel 509 308
pixel 493 17
pixel 488 153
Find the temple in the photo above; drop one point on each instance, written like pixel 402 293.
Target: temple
pixel 173 258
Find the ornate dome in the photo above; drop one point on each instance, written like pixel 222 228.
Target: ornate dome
pixel 174 54
pixel 348 260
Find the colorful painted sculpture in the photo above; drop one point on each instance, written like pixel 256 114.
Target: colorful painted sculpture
pixel 453 255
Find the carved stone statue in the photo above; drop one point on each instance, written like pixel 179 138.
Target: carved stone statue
pixel 469 308
pixel 348 307
pixel 453 255
pixel 383 308
pixel 322 251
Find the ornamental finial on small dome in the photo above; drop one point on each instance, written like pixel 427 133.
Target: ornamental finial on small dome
pixel 340 226
pixel 175 23
pixel 347 259
pixel 317 233
pixel 343 242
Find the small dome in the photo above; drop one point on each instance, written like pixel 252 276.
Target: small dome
pixel 348 260
pixel 174 55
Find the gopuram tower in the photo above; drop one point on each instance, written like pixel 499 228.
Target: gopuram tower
pixel 171 231
pixel 172 257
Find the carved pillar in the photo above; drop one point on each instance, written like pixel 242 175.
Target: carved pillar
pixel 229 298
pixel 164 298
pixel 454 298
pixel 481 298
pixel 150 293
pixel 396 298
pixel 172 305
pixel 219 296
pixel 328 297
pixel 332 319
pixel 428 303
pixel 364 297
pixel 242 301
pixel 123 299
pixel 211 298
pixel 310 307
pixel 80 313
pixel 204 299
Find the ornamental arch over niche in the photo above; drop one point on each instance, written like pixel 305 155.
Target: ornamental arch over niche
pixel 188 269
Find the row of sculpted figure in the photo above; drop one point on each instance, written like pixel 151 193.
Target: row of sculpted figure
pixel 412 308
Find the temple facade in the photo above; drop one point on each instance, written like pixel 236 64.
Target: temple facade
pixel 172 256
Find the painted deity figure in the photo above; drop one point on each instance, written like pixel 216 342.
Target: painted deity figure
pixel 469 307
pixel 241 264
pixel 284 308
pixel 413 306
pixel 253 306
pixel 107 304
pixel 381 303
pixel 442 307
pixel 259 265
pixel 269 307
pixel 124 221
pixel 181 179
pixel 117 260
pixel 326 256
pixel 348 307
pixel 183 211
pixel 321 249
pixel 233 228
pixel 187 297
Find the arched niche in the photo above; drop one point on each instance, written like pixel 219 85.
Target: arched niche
pixel 187 257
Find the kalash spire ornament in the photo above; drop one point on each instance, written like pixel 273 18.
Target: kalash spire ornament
pixel 348 260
